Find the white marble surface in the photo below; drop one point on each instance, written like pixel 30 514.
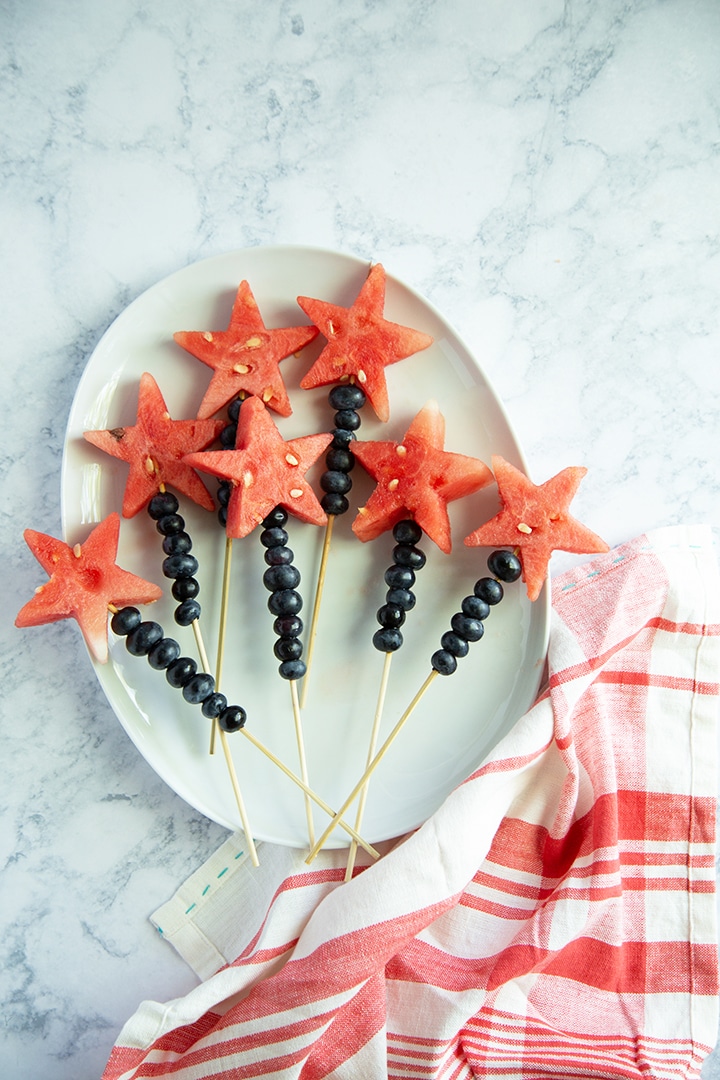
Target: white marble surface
pixel 546 172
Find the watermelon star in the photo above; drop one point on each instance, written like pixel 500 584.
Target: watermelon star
pixel 416 478
pixel 535 520
pixel 84 581
pixel 360 342
pixel 154 449
pixel 245 357
pixel 265 471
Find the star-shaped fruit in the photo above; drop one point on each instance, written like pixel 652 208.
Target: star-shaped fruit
pixel 416 478
pixel 246 356
pixel 535 519
pixel 360 342
pixel 154 448
pixel 84 580
pixel 265 471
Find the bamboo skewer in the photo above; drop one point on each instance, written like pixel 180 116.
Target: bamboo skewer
pixel 222 628
pixel 239 798
pixel 316 606
pixel 337 819
pixel 371 752
pixel 303 762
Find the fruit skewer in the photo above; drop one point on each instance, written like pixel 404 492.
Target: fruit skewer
pixel 360 343
pixel 535 521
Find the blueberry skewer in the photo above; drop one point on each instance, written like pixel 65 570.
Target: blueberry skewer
pixel 506 567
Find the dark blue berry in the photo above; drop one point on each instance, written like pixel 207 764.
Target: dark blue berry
pixel 342 438
pixel 187 612
pixel 212 706
pixel 288 648
pixel 340 459
pixel 125 620
pixel 162 504
pixel 347 396
pixel 475 608
pixel 224 492
pixel 232 718
pixel 443 662
pixel 489 590
pixel 406 555
pixel 222 516
pixel 292 669
pixel 334 504
pixel 228 436
pixel 274 536
pixel 198 688
pixel 387 640
pixel 454 644
pixel 504 565
pixel 276 518
pixel 180 566
pixel 407 532
pixel 403 598
pixel 347 419
pixel 281 577
pixel 400 577
pixel 177 544
pixel 185 588
pixel 279 556
pixel 470 629
pixel 140 641
pixel 288 626
pixel 335 482
pixel 163 654
pixel 170 524
pixel 180 671
pixel 234 410
pixel 390 616
pixel 285 602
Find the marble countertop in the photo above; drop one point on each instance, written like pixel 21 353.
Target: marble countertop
pixel 545 173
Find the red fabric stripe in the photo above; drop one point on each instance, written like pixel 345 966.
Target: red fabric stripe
pixel 353 1027
pixel 666 682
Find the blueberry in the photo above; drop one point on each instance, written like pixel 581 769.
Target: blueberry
pixel 334 504
pixel 279 556
pixel 198 688
pixel 170 524
pixel 347 419
pixel 212 706
pixel 140 641
pixel 340 459
pixel 232 718
pixel 280 577
pixel 276 518
pixel 407 532
pixel 470 629
pixel 489 590
pixel 187 612
pixel 180 566
pixel 400 577
pixel 390 616
pixel 475 608
pixel 342 438
pixel 403 598
pixel 504 565
pixel 453 643
pixel 163 653
pixel 443 662
pixel 406 555
pixel 228 436
pixel 288 648
pixel 180 670
pixel 347 396
pixel 222 516
pixel 224 492
pixel 273 536
pixel 387 640
pixel 234 410
pixel 177 544
pixel 335 482
pixel 285 602
pixel 288 626
pixel 161 504
pixel 185 588
pixel 125 620
pixel 292 669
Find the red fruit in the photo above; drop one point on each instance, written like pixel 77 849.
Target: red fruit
pixel 535 519
pixel 360 342
pixel 416 479
pixel 84 580
pixel 246 356
pixel 265 471
pixel 154 449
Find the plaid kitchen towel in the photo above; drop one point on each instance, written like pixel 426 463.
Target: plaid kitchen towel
pixel 554 918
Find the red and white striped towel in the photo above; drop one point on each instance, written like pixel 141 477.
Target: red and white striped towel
pixel 555 918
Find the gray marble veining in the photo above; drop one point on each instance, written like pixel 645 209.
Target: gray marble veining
pixel 546 173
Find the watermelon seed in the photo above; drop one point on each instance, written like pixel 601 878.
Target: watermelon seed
pixel 401 450
pixel 248 479
pixel 149 465
pixel 208 336
pixel 523 528
pixel 393 484
pixel 291 459
pixel 267 394
pixel 77 551
pixel 241 369
pixel 253 343
pixel 296 493
pixel 361 376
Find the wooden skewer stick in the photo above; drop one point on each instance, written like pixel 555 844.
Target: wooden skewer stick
pixel 337 818
pixel 222 629
pixel 371 753
pixel 303 762
pixel 372 766
pixel 239 798
pixel 316 606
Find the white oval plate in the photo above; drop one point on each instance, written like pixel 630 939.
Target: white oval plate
pixel 458 720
